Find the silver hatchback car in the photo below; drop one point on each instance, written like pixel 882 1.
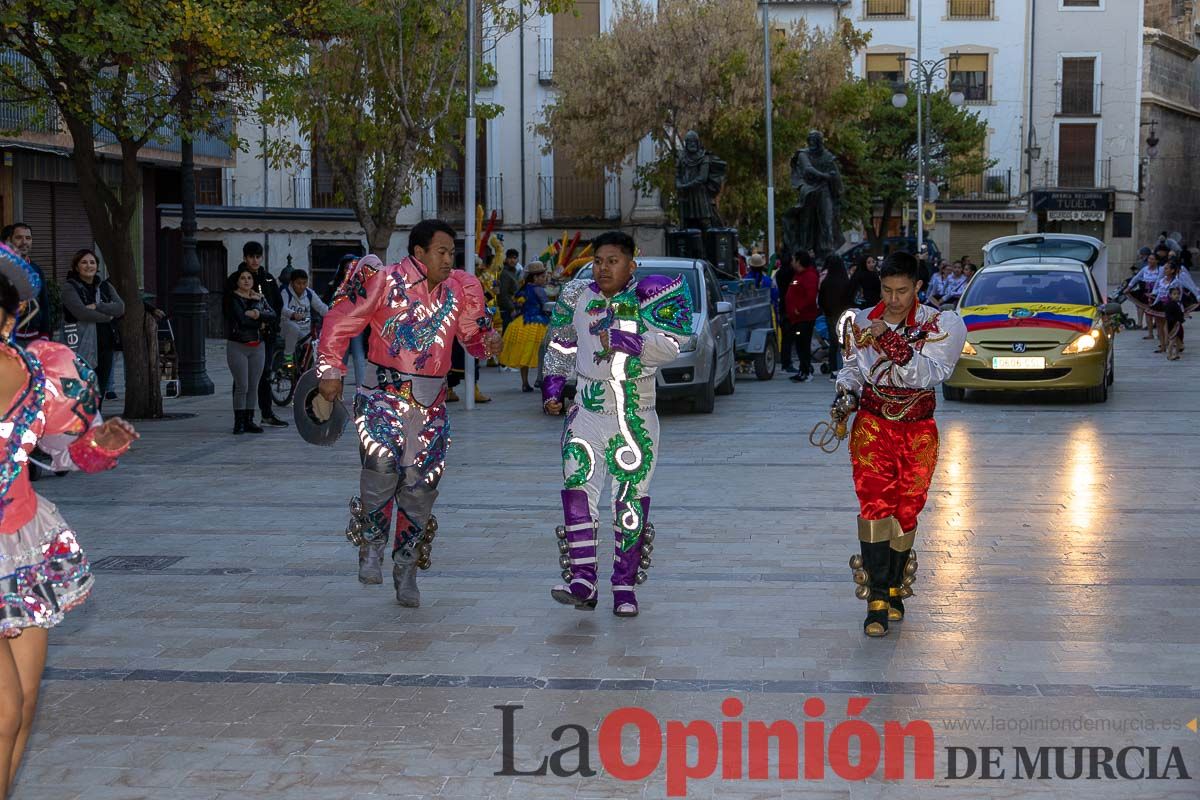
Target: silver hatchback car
pixel 707 363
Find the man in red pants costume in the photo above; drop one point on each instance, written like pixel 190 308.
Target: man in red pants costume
pixel 895 356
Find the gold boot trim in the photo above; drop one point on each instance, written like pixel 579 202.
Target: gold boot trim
pixel 895 614
pixel 877 605
pixel 877 530
pixel 904 541
pixel 875 630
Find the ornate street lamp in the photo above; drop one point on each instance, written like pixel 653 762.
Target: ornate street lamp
pixel 189 302
pixel 924 73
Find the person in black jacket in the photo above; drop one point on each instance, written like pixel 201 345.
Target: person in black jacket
pixel 783 278
pixel 246 314
pixel 864 284
pixel 267 287
pixel 834 298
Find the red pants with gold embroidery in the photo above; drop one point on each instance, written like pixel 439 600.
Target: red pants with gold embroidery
pixel 893 465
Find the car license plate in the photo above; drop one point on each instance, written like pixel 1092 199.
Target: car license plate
pixel 1011 362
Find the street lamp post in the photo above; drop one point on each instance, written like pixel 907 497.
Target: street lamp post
pixel 189 301
pixel 766 20
pixel 924 73
pixel 470 246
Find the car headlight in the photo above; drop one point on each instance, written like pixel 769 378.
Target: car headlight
pixel 969 349
pixel 689 344
pixel 1083 343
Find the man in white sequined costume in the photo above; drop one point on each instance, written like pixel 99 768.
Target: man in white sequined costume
pixel 613 333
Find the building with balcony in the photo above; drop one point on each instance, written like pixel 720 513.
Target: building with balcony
pixel 39 186
pixel 299 217
pixel 989 37
pixel 1083 131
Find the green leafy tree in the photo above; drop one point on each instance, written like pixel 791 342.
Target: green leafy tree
pixel 698 65
pixel 383 97
pixel 879 152
pixel 110 70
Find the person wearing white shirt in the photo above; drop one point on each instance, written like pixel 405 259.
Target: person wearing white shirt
pixel 299 303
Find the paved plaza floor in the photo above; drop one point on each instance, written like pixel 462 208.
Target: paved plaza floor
pixel 228 652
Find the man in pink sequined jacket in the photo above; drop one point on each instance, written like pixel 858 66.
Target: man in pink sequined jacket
pixel 413 310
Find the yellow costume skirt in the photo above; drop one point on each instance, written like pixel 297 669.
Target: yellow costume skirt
pixel 522 343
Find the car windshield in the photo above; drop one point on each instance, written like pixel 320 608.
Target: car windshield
pixel 1004 287
pixel 688 273
pixel 1039 248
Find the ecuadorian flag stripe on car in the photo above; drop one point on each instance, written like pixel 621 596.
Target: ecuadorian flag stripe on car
pixel 1032 315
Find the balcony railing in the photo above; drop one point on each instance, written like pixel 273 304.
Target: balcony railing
pixel 1077 175
pixel 1076 100
pixel 572 198
pixel 970 9
pixel 545 59
pixel 993 186
pixel 885 9
pixel 42 117
pixel 18 117
pixel 973 95
pixel 302 195
pixel 488 76
pixel 444 198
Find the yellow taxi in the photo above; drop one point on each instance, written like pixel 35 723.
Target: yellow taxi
pixel 1035 319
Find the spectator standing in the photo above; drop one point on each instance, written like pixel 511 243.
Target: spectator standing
pixel 937 284
pixel 91 303
pixel 267 287
pixel 523 340
pixel 802 312
pixel 507 288
pixel 783 281
pixel 833 297
pixel 756 271
pixel 864 284
pixel 954 285
pixel 357 352
pixel 246 315
pixel 19 237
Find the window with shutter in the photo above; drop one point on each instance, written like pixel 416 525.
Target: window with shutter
pixel 58 219
pixel 969 75
pixel 1078 86
pixel 885 67
pixel 1077 155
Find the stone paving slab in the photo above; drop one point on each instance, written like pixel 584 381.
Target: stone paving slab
pixel 228 652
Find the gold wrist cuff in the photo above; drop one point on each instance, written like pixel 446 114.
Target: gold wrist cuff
pixel 877 530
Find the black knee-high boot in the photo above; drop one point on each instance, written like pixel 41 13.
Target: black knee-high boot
pixel 902 570
pixel 871 571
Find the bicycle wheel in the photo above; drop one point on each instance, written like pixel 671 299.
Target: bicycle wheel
pixel 283 384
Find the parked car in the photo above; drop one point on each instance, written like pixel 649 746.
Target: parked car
pixel 707 362
pixel 1036 319
pixel 852 253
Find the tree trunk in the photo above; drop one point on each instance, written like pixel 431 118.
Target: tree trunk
pixel 111 219
pixel 378 241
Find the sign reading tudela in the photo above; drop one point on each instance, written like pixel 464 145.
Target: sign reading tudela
pixel 1059 200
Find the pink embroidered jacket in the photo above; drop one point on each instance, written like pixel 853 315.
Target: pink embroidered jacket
pixel 55 410
pixel 411 326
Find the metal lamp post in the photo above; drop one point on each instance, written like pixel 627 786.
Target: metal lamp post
pixel 924 73
pixel 469 188
pixel 766 21
pixel 189 298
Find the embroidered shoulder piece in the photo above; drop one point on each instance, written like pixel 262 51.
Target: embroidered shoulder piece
pixel 665 305
pixel 564 307
pixel 354 285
